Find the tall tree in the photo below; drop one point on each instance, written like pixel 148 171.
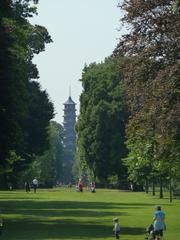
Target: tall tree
pixel 150 77
pixel 19 41
pixel 102 119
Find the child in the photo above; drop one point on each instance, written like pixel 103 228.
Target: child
pixel 150 232
pixel 116 227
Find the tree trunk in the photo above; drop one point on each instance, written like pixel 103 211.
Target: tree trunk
pixel 170 189
pixel 147 186
pixel 153 188
pixel 161 188
pixel 3 182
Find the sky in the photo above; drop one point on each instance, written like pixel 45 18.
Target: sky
pixel 83 31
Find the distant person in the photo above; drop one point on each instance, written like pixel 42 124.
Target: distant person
pixel 1 222
pixel 27 187
pixel 116 227
pixel 80 185
pixel 159 223
pixel 10 186
pixel 93 187
pixel 34 184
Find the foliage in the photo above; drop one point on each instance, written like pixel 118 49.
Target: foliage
pixel 102 119
pixel 48 167
pixel 67 167
pixel 151 77
pixel 154 31
pixel 23 120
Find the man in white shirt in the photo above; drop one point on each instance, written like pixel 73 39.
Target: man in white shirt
pixel 35 184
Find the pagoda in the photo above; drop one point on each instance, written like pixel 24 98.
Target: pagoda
pixel 69 125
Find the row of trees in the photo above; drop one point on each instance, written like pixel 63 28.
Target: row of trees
pixel 55 165
pixel 151 77
pixel 25 109
pixel 147 76
pixel 49 167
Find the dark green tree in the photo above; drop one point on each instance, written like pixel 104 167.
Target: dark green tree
pixel 101 124
pixel 19 41
pixel 48 167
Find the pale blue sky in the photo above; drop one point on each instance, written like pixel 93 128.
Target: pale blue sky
pixel 83 31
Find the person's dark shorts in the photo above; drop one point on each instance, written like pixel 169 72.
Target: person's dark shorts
pixel 158 233
pixel 117 234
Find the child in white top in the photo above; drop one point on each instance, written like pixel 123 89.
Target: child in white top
pixel 116 227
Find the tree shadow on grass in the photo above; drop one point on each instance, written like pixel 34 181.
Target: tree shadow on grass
pixel 70 229
pixel 41 220
pixel 41 210
pixel 132 231
pixel 67 213
pixel 34 204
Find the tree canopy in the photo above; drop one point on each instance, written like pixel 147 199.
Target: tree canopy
pixel 151 77
pixel 101 123
pixel 25 110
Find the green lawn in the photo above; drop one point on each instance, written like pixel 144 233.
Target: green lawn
pixel 67 214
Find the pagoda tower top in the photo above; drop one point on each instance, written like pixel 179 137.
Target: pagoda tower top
pixel 69 101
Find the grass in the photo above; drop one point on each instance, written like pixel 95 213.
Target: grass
pixel 69 215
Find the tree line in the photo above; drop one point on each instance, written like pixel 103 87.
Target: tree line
pixel 31 144
pixel 129 123
pixel 25 109
pixel 128 127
